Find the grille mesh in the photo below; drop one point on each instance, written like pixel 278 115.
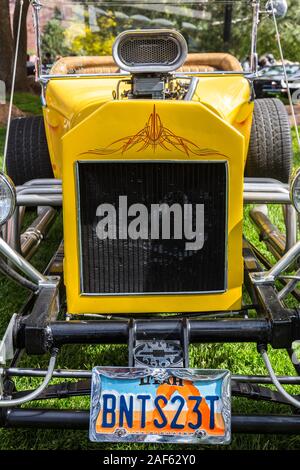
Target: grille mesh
pixel 152 266
pixel 155 51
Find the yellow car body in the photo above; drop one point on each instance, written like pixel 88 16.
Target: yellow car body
pixel 82 115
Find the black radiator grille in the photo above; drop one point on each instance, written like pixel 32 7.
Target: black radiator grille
pixel 117 266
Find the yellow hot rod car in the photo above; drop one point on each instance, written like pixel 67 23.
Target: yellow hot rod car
pixel 151 152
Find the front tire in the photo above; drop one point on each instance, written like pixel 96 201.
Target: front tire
pixel 27 152
pixel 270 151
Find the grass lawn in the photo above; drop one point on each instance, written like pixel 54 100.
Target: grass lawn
pixel 238 358
pixel 28 103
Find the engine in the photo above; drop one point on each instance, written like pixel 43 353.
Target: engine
pixel 150 56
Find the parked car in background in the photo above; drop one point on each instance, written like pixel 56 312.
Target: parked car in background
pixel 294 83
pixel 271 79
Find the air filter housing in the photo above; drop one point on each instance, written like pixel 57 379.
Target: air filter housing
pixel 150 50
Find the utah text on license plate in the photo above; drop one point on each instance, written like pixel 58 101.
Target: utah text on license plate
pixel 160 405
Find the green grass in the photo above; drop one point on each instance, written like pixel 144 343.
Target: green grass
pixel 238 358
pixel 28 103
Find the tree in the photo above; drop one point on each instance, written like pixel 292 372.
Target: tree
pixel 53 38
pixel 6 44
pixel 289 28
pixel 21 75
pixel 95 43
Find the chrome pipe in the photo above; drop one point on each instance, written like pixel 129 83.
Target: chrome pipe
pixel 289 287
pixel 57 373
pixel 279 267
pixel 192 89
pixel 265 187
pixel 56 199
pixel 37 392
pixel 291 224
pixel 256 190
pixel 42 182
pixel 266 379
pixel 36 4
pixel 255 23
pixel 87 374
pixel 35 233
pixel 16 277
pixel 13 231
pixel 277 255
pixel 269 233
pixel 33 200
pixel 266 197
pixel 44 79
pixel 254 179
pixel 285 261
pixel 22 210
pixel 37 190
pixel 21 263
pixel 291 399
pixel 4 231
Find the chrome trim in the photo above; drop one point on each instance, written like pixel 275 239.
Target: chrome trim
pixel 21 263
pixel 291 223
pixel 268 232
pixel 255 23
pixel 82 374
pixel 42 182
pixel 295 178
pixel 33 200
pixel 13 231
pixel 36 5
pixel 260 190
pixel 289 287
pixel 145 294
pixel 7 403
pixel 262 197
pixel 266 190
pixel 5 179
pixel 33 236
pixel 281 265
pixel 192 89
pixel 7 345
pixel 46 78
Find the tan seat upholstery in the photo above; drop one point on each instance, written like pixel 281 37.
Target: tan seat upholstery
pixel 84 64
pixel 215 60
pixel 196 68
pixel 198 62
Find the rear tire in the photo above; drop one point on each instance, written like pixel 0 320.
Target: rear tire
pixel 27 152
pixel 270 151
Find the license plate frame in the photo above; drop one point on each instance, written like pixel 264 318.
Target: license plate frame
pixel 206 395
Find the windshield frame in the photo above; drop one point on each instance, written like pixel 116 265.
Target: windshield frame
pixel 44 78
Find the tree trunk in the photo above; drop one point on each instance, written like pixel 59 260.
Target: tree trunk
pixel 21 76
pixel 6 44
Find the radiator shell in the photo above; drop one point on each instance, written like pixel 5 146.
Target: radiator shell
pixel 197 125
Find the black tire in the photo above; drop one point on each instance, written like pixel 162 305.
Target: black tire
pixel 270 151
pixel 27 152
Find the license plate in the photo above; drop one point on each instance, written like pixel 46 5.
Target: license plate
pixel 160 405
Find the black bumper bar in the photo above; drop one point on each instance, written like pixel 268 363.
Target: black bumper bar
pixel 71 419
pixel 200 331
